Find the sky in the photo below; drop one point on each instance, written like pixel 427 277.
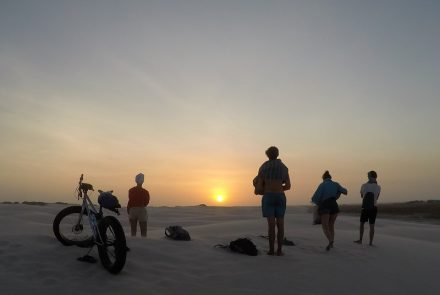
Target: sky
pixel 192 93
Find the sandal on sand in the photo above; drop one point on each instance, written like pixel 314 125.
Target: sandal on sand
pixel 358 242
pixel 288 242
pixel 330 245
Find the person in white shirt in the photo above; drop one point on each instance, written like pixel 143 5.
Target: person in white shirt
pixel 370 192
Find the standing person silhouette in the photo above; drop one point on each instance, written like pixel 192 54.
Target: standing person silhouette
pixel 273 177
pixel 138 199
pixel 370 192
pixel 325 197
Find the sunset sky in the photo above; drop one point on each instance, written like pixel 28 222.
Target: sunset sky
pixel 191 93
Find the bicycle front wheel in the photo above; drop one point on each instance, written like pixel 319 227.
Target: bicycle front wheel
pixel 70 228
pixel 113 249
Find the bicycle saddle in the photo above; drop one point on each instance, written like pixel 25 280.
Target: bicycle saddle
pixel 86 187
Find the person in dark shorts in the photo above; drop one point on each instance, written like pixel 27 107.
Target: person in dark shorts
pixel 370 192
pixel 325 198
pixel 273 176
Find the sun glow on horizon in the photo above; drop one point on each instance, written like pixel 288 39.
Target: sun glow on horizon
pixel 219 195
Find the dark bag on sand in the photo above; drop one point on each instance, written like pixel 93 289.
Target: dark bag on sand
pixel 243 246
pixel 368 201
pixel 176 232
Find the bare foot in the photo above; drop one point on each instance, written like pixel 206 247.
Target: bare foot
pixel 271 253
pixel 358 242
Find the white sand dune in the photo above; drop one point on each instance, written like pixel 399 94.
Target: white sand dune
pixel 405 260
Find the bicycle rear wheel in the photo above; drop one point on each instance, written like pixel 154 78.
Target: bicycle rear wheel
pixel 70 230
pixel 113 249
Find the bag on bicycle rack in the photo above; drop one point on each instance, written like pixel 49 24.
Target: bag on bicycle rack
pixel 108 201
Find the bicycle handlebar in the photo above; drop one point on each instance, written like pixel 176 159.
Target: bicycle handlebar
pixel 83 187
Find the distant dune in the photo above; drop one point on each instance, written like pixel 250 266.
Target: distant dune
pixel 420 211
pixel 414 210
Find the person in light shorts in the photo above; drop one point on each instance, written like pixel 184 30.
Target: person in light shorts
pixel 138 213
pixel 138 199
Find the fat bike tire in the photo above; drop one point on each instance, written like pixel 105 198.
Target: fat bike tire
pixel 113 247
pixel 71 233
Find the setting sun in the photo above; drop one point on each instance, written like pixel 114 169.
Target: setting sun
pixel 219 195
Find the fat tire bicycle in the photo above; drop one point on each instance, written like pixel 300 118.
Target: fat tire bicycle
pixel 84 226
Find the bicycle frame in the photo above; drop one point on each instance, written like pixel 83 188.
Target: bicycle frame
pixel 89 208
pixel 105 232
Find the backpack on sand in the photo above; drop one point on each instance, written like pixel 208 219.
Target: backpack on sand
pixel 176 232
pixel 368 201
pixel 242 246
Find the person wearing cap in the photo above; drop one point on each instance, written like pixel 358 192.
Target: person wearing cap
pixel 138 199
pixel 325 198
pixel 274 178
pixel 369 190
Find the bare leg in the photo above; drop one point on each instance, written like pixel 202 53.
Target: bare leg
pixel 325 222
pixel 371 234
pixel 143 225
pixel 280 236
pixel 361 233
pixel 271 233
pixel 133 224
pixel 332 228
